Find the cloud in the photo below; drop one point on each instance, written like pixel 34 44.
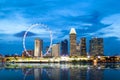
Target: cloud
pixel 112 30
pixel 64 14
pixel 21 34
pixel 13 24
pixel 7 38
pixel 106 7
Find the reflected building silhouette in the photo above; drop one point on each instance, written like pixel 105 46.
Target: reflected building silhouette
pixel 83 73
pixel 76 72
pixel 96 74
pixel 50 74
pixel 27 71
pixel 37 74
pixel 64 74
pixel 55 74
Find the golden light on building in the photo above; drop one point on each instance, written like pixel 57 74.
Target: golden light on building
pixel 73 42
pixel 38 48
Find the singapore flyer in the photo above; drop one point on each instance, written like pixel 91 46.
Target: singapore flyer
pixel 31 27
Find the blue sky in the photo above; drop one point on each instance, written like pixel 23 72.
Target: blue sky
pixel 91 18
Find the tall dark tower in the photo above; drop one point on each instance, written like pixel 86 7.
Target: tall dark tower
pixel 64 47
pixel 73 42
pixel 83 47
pixel 96 47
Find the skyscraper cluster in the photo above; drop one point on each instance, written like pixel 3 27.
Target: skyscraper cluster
pixel 80 49
pixel 75 49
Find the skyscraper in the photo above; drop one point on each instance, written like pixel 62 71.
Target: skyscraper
pixel 83 47
pixel 38 48
pixel 96 47
pixel 73 42
pixel 78 48
pixel 56 50
pixel 64 47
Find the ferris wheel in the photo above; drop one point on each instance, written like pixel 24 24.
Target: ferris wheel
pixel 40 26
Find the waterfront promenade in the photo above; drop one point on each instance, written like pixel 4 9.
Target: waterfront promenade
pixel 61 59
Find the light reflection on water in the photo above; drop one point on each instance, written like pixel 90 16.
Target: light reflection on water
pixel 56 71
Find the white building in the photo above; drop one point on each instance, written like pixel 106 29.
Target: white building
pixel 56 50
pixel 38 48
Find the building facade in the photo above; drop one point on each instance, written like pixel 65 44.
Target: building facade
pixel 38 51
pixel 83 47
pixel 64 47
pixel 78 48
pixel 96 47
pixel 29 53
pixel 56 50
pixel 73 42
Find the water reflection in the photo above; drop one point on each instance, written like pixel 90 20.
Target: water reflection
pixel 59 71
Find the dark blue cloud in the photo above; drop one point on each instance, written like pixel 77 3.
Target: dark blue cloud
pixel 40 8
pixel 21 34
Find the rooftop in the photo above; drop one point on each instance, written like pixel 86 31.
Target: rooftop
pixel 72 31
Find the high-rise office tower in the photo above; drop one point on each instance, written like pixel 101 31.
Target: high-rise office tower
pixel 56 50
pixel 64 47
pixel 83 47
pixel 96 47
pixel 78 48
pixel 73 42
pixel 38 48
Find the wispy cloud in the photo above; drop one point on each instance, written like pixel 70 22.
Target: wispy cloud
pixel 112 30
pixel 13 24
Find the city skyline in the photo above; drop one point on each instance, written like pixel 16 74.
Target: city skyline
pixel 96 47
pixel 89 18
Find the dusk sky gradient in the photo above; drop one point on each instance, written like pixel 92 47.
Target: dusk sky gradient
pixel 91 18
